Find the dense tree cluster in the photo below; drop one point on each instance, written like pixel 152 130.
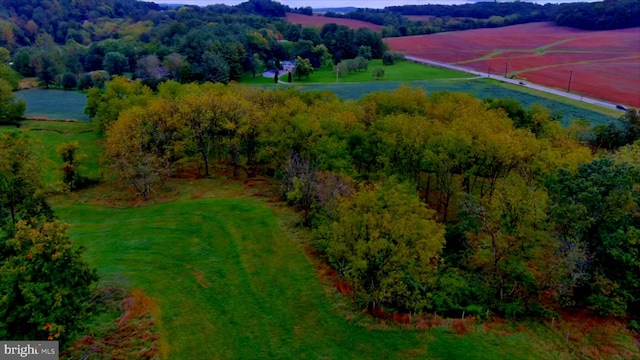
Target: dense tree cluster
pixel 188 44
pixel 605 15
pixel 422 203
pixel 44 283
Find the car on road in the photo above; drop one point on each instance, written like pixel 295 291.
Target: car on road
pixel 522 83
pixel 620 107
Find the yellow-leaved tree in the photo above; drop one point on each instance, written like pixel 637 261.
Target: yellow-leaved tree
pixel 387 244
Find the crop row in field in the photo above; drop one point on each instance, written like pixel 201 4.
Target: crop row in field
pixel 478 88
pixel 601 64
pixel 53 104
pixel 319 20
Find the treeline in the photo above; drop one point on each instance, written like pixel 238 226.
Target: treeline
pixel 189 44
pixel 607 15
pixel 421 203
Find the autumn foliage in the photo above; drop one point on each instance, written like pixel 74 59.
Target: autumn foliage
pixel 420 202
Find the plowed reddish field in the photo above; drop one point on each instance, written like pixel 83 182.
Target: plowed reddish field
pixel 319 20
pixel 601 64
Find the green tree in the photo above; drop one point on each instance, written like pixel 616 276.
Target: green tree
pixel 597 210
pixel 303 68
pixel 115 63
pixel 44 284
pixel 46 68
pixel 19 179
pixel 508 250
pixel 361 63
pixel 378 73
pixel 299 184
pixel 322 54
pixel 10 110
pixel 365 52
pixel 104 105
pixel 8 74
pixel 70 164
pixel 69 81
pixel 215 68
pixel 386 242
pixel 128 153
pixel 22 62
pixel 387 58
pixel 256 64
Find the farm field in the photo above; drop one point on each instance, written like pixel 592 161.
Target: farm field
pixel 600 64
pixel 570 110
pixel 319 20
pixel 53 104
pixel 70 105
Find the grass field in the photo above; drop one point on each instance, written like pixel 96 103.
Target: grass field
pixel 401 71
pixel 54 104
pixel 232 284
pixel 50 134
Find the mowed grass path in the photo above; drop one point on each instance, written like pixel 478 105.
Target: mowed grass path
pixel 230 284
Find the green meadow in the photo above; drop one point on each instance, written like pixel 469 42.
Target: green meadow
pixel 232 283
pixel 401 71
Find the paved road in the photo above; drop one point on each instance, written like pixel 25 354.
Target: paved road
pixel 517 82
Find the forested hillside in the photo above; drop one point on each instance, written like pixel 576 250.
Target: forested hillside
pixel 82 44
pixel 606 15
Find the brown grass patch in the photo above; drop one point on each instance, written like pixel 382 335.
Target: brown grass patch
pixel 200 278
pixel 319 20
pixel 133 335
pixel 28 83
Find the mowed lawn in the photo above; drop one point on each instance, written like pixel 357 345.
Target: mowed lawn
pixel 400 71
pixel 230 284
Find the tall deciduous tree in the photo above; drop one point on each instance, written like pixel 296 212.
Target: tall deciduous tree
pixel 386 242
pixel 127 149
pixel 70 164
pixel 10 110
pixel 19 179
pixel 46 68
pixel 44 284
pixel 597 210
pixel 303 68
pixel 115 63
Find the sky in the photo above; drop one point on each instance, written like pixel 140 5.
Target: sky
pixel 342 3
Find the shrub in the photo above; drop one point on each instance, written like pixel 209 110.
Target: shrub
pixel 69 81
